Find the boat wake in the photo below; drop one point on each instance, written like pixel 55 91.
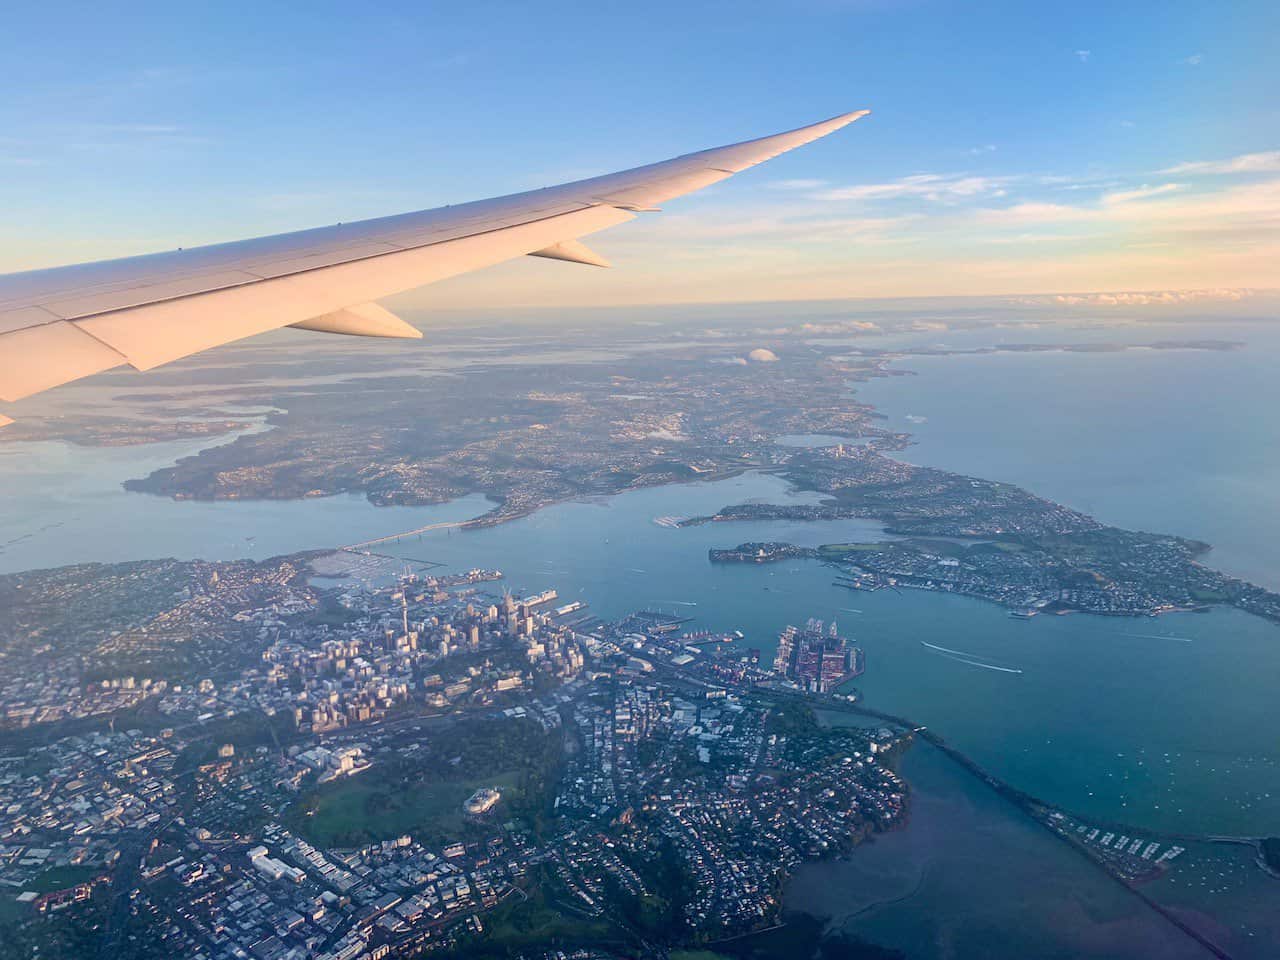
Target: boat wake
pixel 958 653
pixel 963 657
pixel 1155 636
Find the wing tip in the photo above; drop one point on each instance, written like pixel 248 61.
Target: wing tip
pixel 843 119
pixel 800 136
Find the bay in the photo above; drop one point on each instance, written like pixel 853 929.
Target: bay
pixel 1169 441
pixel 1158 722
pixel 1166 723
pixel 971 877
pixel 64 504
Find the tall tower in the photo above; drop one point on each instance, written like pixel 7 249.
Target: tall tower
pixel 509 613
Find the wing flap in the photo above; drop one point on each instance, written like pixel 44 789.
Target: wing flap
pixel 24 317
pixel 49 355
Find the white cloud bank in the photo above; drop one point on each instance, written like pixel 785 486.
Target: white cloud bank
pixel 929 186
pixel 1268 161
pixel 1140 193
pixel 1140 298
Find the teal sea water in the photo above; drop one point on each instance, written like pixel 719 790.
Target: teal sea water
pixel 1144 720
pixel 1168 724
pixel 65 504
pixel 1175 441
pixel 970 878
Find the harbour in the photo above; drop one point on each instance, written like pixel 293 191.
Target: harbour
pixel 1115 766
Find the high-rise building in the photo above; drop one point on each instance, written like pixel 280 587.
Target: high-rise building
pixel 817 660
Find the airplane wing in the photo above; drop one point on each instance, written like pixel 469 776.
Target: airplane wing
pixel 64 323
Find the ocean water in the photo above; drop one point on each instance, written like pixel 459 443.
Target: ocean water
pixel 65 504
pixel 1166 724
pixel 1171 441
pixel 970 877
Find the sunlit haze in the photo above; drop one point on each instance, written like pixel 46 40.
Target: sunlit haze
pixel 1014 148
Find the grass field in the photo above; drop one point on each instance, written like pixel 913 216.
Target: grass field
pixel 538 922
pixel 371 807
pixel 840 549
pixel 59 878
pixel 422 794
pixel 55 878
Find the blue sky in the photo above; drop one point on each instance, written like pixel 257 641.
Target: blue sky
pixel 1014 147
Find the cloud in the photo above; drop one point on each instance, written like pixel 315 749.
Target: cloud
pixel 842 326
pixel 1267 161
pixel 768 225
pixel 1243 213
pixel 930 186
pixel 1084 55
pixel 1085 230
pixel 761 355
pixel 1140 193
pixel 1034 212
pixel 1194 60
pixel 1059 181
pixel 1141 298
pixel 800 184
pixel 834 328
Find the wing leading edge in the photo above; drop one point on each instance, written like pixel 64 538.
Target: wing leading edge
pixel 64 323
